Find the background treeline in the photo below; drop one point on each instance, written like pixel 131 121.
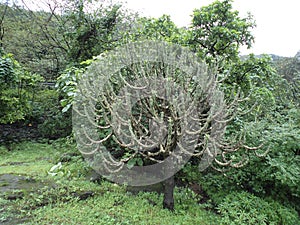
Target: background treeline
pixel 46 42
pixel 39 46
pixel 54 46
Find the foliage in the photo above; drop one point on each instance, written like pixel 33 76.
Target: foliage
pixel 51 121
pixel 252 72
pixel 162 28
pixel 68 32
pixel 217 31
pixel 242 208
pixel 66 83
pixel 276 175
pixel 261 87
pixel 89 34
pixel 289 68
pixel 17 90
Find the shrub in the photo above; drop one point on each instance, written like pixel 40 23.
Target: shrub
pixel 52 122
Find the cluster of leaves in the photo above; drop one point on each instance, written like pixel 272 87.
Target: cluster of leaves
pixel 47 114
pixel 23 98
pixel 218 31
pixel 67 82
pixel 16 90
pixel 162 28
pixel 279 172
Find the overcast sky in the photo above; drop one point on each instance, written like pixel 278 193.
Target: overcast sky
pixel 278 21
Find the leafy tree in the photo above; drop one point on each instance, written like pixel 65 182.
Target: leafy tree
pixel 216 34
pixel 217 31
pixel 88 32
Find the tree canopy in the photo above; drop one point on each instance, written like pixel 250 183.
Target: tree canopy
pixel 218 31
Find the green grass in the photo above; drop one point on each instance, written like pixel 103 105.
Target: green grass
pixel 116 206
pixel 27 159
pixel 110 204
pixel 56 199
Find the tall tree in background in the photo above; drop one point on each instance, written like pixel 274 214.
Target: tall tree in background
pixel 86 31
pixel 218 31
pixel 60 33
pixel 216 35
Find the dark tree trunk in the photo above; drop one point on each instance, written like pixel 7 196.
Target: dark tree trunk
pixel 169 185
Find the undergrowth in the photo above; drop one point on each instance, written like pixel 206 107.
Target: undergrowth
pixel 68 196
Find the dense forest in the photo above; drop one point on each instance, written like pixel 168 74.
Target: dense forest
pixel 45 53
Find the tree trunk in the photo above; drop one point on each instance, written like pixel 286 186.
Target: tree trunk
pixel 169 185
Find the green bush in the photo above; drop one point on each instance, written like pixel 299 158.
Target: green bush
pixel 278 174
pixel 13 108
pixel 52 122
pixel 244 208
pixel 17 90
pixel 67 82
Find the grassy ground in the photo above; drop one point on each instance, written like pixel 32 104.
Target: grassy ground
pixel 68 197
